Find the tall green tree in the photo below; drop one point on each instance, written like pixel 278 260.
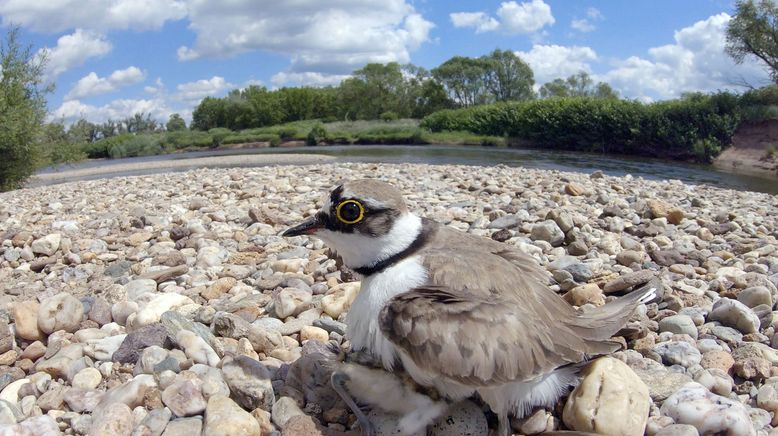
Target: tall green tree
pixel 175 123
pixel 753 31
pixel 373 90
pixel 577 85
pixel 507 76
pixel 464 79
pixel 22 110
pixel 210 113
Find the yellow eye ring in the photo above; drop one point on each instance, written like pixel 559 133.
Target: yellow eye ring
pixel 352 221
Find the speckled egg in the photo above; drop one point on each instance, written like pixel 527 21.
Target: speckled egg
pixel 461 419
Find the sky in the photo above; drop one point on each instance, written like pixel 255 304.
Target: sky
pixel 110 59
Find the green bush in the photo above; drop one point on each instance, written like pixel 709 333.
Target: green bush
pixel 218 135
pixel 389 116
pixel 179 140
pixel 130 145
pixel 696 127
pixel 64 152
pixel 317 134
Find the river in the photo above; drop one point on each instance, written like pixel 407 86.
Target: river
pixel 530 158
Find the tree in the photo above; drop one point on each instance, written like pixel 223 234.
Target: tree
pixel 753 31
pixel 577 85
pixel 83 131
pixel 508 77
pixel 464 80
pixel 175 123
pixel 209 114
pixel 22 110
pixel 141 122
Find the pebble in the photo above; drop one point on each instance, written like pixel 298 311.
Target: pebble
pixel 184 398
pixel 754 296
pixel 707 412
pixel 679 324
pixel 25 315
pixel 548 231
pixel 733 313
pixel 224 417
pixel 339 299
pixel 628 280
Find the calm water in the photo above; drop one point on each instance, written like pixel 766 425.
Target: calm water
pixel 484 156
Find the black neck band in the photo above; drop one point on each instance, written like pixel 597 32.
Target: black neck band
pixel 417 243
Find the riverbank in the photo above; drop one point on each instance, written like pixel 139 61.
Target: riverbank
pixel 163 300
pixel 753 150
pixel 116 168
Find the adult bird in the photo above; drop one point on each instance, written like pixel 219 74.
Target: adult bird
pixel 459 313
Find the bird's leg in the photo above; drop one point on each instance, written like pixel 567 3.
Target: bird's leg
pixel 338 381
pixel 503 425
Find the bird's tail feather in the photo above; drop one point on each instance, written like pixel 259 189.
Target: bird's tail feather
pixel 603 322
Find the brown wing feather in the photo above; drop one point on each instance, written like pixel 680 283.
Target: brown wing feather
pixel 486 316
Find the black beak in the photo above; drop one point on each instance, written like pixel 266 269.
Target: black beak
pixel 307 227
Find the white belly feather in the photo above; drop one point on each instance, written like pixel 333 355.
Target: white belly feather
pixel 362 320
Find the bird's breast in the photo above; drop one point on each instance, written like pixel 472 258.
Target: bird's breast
pixel 362 323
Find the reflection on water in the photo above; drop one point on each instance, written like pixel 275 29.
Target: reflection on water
pixel 529 158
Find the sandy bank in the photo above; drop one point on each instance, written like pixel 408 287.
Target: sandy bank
pixel 119 167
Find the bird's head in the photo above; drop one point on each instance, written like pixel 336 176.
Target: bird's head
pixel 364 221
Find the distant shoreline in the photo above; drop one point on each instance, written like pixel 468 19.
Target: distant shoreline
pixel 253 160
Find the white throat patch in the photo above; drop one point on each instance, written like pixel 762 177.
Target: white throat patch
pixel 358 250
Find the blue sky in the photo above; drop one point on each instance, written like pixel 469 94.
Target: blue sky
pixel 112 58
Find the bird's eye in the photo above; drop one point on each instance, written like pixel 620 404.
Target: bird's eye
pixel 350 212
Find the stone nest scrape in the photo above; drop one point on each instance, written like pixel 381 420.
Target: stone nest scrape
pixel 169 304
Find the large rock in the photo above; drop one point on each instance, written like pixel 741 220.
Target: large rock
pixel 709 413
pixel 225 418
pixel 610 400
pixel 153 310
pixel 291 301
pixel 184 398
pixel 60 312
pixel 47 245
pixel 338 300
pixel 39 425
pixel 733 313
pixel 548 231
pixel 678 353
pixel 678 324
pixel 138 340
pixel 250 382
pixel 115 420
pixel 25 315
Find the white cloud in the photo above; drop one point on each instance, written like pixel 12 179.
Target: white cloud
pixel 192 92
pixel 513 18
pixel 695 62
pixel 479 20
pixel 73 110
pixel 309 78
pixel 587 24
pixel 91 84
pixel 582 25
pixel 322 37
pixel 549 62
pixel 62 15
pixel 524 17
pixel 73 50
